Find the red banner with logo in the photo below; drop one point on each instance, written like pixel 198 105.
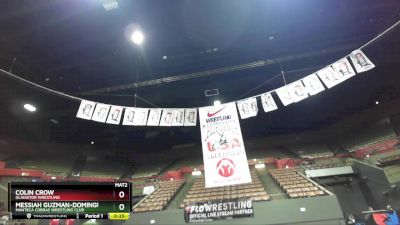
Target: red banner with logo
pixel 224 155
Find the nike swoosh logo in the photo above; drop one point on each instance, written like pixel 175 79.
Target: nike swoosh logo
pixel 213 114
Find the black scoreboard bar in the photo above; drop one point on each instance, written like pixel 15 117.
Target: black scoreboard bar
pixel 69 200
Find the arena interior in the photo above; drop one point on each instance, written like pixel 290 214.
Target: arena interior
pixel 332 158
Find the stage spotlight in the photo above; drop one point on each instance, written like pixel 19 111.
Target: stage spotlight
pixel 137 37
pixel 29 107
pixel 217 102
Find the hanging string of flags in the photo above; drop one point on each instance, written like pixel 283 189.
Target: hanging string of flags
pixel 296 91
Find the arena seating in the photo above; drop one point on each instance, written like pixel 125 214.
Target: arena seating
pixel 97 169
pixel 317 155
pixel 312 151
pixel 370 141
pixel 327 164
pixel 389 160
pixel 159 199
pixel 294 184
pixel 254 190
pixel 51 166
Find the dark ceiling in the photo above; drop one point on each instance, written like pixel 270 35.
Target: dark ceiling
pixel 77 47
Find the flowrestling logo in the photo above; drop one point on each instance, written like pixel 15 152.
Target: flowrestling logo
pixel 226 167
pixel 197 212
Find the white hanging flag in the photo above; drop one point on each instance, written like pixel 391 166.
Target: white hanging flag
pixel 190 117
pixel 247 108
pixel 284 95
pixel 329 76
pixel 344 68
pixel 297 91
pixel 135 116
pixel 114 117
pixel 101 112
pixel 268 102
pixel 129 116
pixel 361 61
pixel 86 110
pixel 140 116
pixel 154 117
pixel 178 117
pixel 166 118
pixel 224 155
pixel 313 84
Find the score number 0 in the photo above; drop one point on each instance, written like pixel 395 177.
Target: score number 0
pixel 121 195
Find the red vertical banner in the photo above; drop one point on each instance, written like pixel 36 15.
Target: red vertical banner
pixel 54 222
pixel 69 222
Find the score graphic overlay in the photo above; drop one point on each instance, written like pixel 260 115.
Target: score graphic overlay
pixel 69 200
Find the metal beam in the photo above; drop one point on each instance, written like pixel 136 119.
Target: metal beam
pixel 221 70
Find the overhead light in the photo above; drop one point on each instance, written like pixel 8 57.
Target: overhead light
pixel 93 220
pixel 29 107
pixel 110 4
pixel 260 166
pixel 171 179
pixel 254 160
pixel 152 221
pixel 23 174
pixel 92 142
pixel 54 121
pixel 53 178
pixel 217 102
pixel 286 166
pixel 377 103
pixel 196 173
pixel 165 57
pixel 137 37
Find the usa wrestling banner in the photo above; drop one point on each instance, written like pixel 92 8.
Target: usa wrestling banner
pixel 224 155
pixel 210 211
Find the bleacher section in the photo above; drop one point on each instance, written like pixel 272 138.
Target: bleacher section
pixel 147 170
pixel 159 199
pixel 294 184
pixel 367 139
pixel 325 163
pixel 104 169
pixel 59 167
pixel 254 190
pixel 386 158
pixel 312 151
pixel 390 160
pixel 317 155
